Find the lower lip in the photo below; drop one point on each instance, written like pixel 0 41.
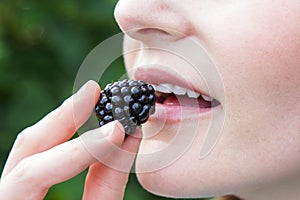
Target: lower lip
pixel 172 114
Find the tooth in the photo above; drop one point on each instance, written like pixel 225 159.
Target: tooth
pixel 206 98
pixel 192 94
pixel 154 86
pixel 179 90
pixel 165 88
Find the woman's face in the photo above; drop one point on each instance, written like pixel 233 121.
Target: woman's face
pixel 253 75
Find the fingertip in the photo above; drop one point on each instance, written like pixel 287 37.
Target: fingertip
pixel 95 87
pixel 133 141
pixel 90 88
pixel 116 134
pixel 94 84
pixel 138 133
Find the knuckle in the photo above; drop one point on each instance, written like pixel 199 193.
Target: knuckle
pixel 24 175
pixel 75 151
pixel 23 172
pixel 107 185
pixel 76 148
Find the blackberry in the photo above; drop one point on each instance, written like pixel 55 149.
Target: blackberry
pixel 131 102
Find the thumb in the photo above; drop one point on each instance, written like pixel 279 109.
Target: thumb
pixel 107 179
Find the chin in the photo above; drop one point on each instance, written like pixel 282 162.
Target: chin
pixel 170 182
pixel 183 176
pixel 160 164
pixel 154 183
pixel 168 164
pixel 166 183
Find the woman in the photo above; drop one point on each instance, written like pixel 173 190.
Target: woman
pixel 253 47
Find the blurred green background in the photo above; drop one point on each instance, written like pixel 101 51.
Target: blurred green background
pixel 42 45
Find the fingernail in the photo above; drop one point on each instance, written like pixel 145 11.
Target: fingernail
pixel 84 88
pixel 114 132
pixel 111 131
pixel 104 139
pixel 85 99
pixel 108 129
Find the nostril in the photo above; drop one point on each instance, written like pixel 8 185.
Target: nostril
pixel 153 31
pixel 147 34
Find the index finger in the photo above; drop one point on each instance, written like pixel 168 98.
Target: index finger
pixel 107 178
pixel 55 128
pixel 36 174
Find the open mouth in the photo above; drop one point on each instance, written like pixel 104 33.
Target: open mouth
pixel 173 95
pixel 178 98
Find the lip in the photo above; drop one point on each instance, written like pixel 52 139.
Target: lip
pixel 174 114
pixel 168 113
pixel 157 76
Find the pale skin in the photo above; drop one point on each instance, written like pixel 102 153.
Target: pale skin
pixel 255 45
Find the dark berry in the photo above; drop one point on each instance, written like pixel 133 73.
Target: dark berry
pixel 108 108
pixel 143 99
pixel 100 113
pixel 136 92
pixel 123 120
pixel 129 101
pixel 116 100
pixel 143 116
pixel 145 90
pixel 103 100
pixel 142 82
pixel 101 123
pixel 108 118
pixel 123 83
pixel 150 88
pixel 136 108
pixel 126 109
pixel 152 98
pixel 118 113
pixel 124 91
pixel 115 90
pixel 133 83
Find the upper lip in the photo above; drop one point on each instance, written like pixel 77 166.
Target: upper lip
pixel 158 76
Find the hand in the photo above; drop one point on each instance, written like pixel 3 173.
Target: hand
pixel 42 155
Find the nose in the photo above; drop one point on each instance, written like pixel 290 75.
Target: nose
pixel 146 20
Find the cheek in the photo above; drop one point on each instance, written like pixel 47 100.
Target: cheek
pixel 258 55
pixel 259 60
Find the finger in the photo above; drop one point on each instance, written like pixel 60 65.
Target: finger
pixel 33 176
pixel 107 179
pixel 55 128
